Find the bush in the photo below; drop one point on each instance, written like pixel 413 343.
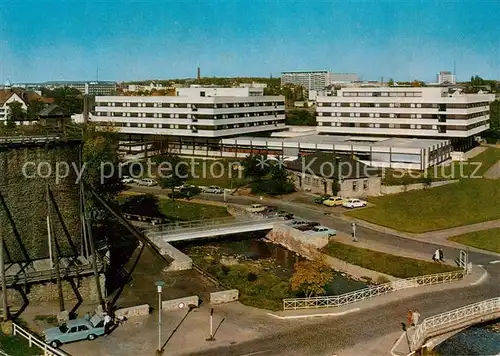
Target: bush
pixel 251 277
pixel 382 280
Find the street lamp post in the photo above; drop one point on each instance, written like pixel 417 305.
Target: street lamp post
pixel 159 285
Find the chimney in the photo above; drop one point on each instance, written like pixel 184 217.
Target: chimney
pixel 198 74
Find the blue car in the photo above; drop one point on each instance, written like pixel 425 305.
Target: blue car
pixel 75 330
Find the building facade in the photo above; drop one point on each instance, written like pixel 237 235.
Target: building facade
pixel 317 173
pixel 194 113
pixel 7 97
pixel 403 112
pixel 90 88
pixel 310 80
pixel 446 78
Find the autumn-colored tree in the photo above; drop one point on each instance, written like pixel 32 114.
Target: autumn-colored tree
pixel 311 276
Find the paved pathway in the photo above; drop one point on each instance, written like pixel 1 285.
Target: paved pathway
pixel 493 172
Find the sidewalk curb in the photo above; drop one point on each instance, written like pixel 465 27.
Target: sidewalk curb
pixel 396 344
pixel 314 315
pixel 482 278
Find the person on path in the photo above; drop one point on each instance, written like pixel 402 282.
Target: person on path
pixel 415 317
pixel 107 322
pixel 354 238
pixel 435 257
pixel 410 317
pixel 441 255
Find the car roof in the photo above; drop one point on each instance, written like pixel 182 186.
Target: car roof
pixel 76 322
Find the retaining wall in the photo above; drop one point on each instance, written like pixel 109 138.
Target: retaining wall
pixel 180 303
pixel 395 189
pixel 296 241
pixel 225 296
pixel 138 310
pixel 356 271
pixel 46 292
pixel 180 261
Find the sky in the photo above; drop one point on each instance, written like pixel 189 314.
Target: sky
pixel 125 40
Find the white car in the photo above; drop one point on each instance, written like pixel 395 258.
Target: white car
pixel 256 208
pixel 323 230
pixel 354 203
pixel 214 189
pixel 127 180
pixel 148 182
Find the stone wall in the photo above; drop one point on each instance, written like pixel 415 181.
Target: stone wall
pixel 44 292
pixel 395 189
pixel 224 296
pixel 180 261
pixel 296 241
pixel 356 271
pixel 133 311
pixel 180 303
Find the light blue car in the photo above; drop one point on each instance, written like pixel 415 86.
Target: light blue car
pixel 75 330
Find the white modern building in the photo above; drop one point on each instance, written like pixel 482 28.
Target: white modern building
pixel 193 113
pixel 404 112
pixel 343 78
pixel 446 78
pixel 310 80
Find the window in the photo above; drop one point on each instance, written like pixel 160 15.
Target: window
pixel 365 184
pixel 354 186
pixel 73 329
pixel 83 328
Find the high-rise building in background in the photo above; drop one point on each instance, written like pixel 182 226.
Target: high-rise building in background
pixel 310 80
pixel 446 77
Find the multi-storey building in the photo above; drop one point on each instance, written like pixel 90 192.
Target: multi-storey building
pixel 343 78
pixel 404 112
pixel 446 77
pixel 194 112
pixel 310 80
pixel 90 88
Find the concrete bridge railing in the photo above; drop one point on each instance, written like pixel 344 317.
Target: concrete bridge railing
pixel 455 319
pixel 370 292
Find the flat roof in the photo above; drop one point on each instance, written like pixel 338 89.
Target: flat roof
pixel 348 140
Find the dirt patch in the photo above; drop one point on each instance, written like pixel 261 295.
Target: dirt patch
pixel 493 172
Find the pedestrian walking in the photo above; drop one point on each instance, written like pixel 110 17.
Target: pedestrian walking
pixel 107 322
pixel 435 256
pixel 415 317
pixel 354 237
pixel 410 317
pixel 441 255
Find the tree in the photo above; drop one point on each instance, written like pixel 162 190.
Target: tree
pixel 277 182
pixel 300 117
pixel 390 82
pixel 34 108
pixel 143 204
pixel 255 166
pixel 102 163
pixel 310 277
pixel 69 99
pixel 493 134
pixel 16 113
pixel 178 175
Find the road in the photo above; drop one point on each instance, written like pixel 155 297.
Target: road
pixel 325 337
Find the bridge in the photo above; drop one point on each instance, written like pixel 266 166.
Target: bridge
pixel 209 228
pixel 453 321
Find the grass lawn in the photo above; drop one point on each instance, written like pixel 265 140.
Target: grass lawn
pixel 437 173
pixel 185 211
pixel 17 346
pixel 401 267
pixel 486 239
pixel 466 202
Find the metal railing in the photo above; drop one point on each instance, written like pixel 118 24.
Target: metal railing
pixel 196 225
pixel 33 340
pixel 2 353
pixel 370 292
pixel 452 318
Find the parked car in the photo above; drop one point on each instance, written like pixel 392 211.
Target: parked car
pixel 148 182
pixel 307 226
pixel 269 212
pixel 214 189
pixel 334 201
pixel 285 215
pixel 127 180
pixel 320 230
pixel 354 203
pixel 75 330
pixel 296 223
pixel 256 208
pixel 320 199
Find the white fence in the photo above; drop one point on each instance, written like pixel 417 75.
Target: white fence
pixel 370 292
pixel 458 317
pixel 32 340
